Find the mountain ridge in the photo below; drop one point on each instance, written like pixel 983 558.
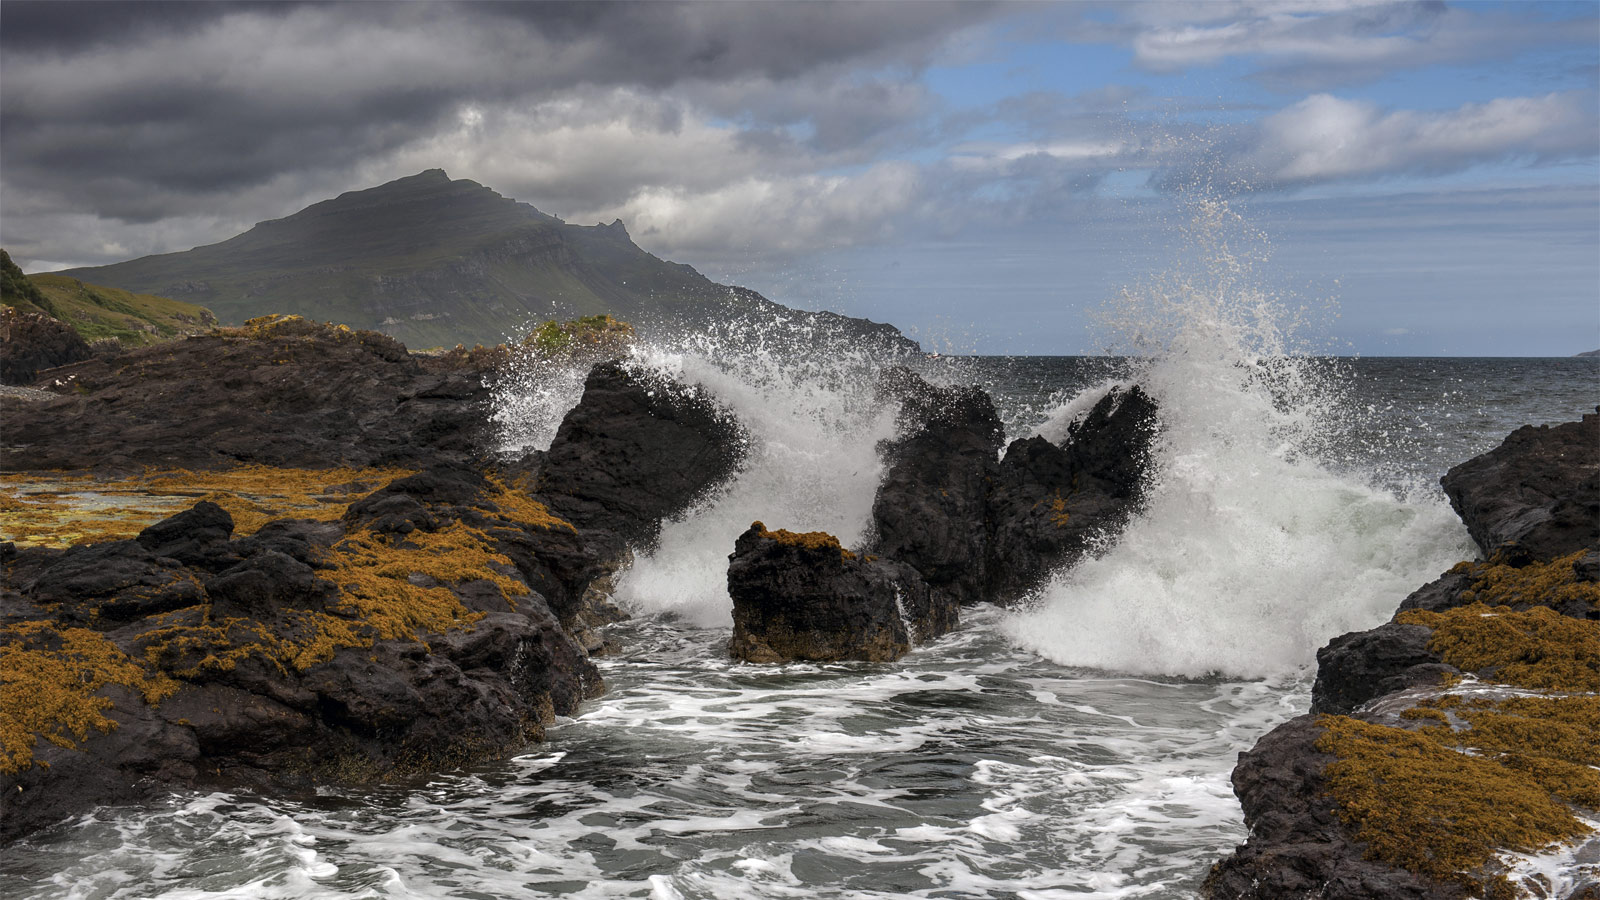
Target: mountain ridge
pixel 431 260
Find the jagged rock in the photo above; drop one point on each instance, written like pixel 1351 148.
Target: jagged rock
pixel 1357 667
pixel 929 512
pixel 1049 504
pixel 1539 490
pixel 636 449
pixel 804 597
pixel 31 342
pixel 1298 849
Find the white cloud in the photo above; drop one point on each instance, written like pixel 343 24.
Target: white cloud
pixel 1324 137
pixel 766 214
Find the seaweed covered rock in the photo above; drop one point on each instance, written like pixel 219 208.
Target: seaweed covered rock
pixel 930 509
pixel 278 391
pixel 1538 490
pixel 637 448
pixel 1299 848
pixel 804 597
pixel 1050 503
pixel 31 342
pixel 306 652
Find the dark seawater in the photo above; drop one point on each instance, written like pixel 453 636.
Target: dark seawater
pixel 1076 749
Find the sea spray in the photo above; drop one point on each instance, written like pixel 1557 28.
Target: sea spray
pixel 1250 552
pixel 808 401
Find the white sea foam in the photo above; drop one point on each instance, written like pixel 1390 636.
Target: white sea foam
pixel 1250 553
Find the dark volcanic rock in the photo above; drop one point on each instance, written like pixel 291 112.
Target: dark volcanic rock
pixel 1049 503
pixel 1540 489
pixel 636 449
pixel 929 512
pixel 242 717
pixel 1357 667
pixel 192 536
pixel 31 342
pixel 1298 849
pixel 288 393
pixel 803 597
pixel 103 585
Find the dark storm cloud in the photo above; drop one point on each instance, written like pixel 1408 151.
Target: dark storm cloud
pixel 142 110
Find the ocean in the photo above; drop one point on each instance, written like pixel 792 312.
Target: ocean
pixel 1077 747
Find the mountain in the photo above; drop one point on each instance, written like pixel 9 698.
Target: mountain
pixel 432 261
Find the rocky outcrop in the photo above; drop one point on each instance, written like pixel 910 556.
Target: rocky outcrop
pixel 1049 504
pixel 1346 803
pixel 980 529
pixel 306 652
pixel 804 597
pixel 280 391
pixel 637 448
pixel 31 342
pixel 1358 667
pixel 442 618
pixel 929 512
pixel 1539 490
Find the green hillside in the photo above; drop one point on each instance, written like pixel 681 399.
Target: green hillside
pixel 97 312
pixel 432 262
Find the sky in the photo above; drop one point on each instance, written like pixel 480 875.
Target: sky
pixel 1421 178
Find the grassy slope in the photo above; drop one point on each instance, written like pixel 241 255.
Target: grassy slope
pixel 97 312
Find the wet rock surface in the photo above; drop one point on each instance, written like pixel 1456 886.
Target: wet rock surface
pixel 803 597
pixel 1298 847
pixel 638 448
pixel 930 508
pixel 242 710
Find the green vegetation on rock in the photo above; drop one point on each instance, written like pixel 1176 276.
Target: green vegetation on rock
pixel 18 291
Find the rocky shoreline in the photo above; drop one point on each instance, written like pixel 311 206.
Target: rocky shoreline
pixel 348 585
pixel 365 590
pixel 1465 728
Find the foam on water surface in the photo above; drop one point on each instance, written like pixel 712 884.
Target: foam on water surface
pixel 698 777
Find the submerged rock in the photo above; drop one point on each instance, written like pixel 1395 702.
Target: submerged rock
pixel 804 597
